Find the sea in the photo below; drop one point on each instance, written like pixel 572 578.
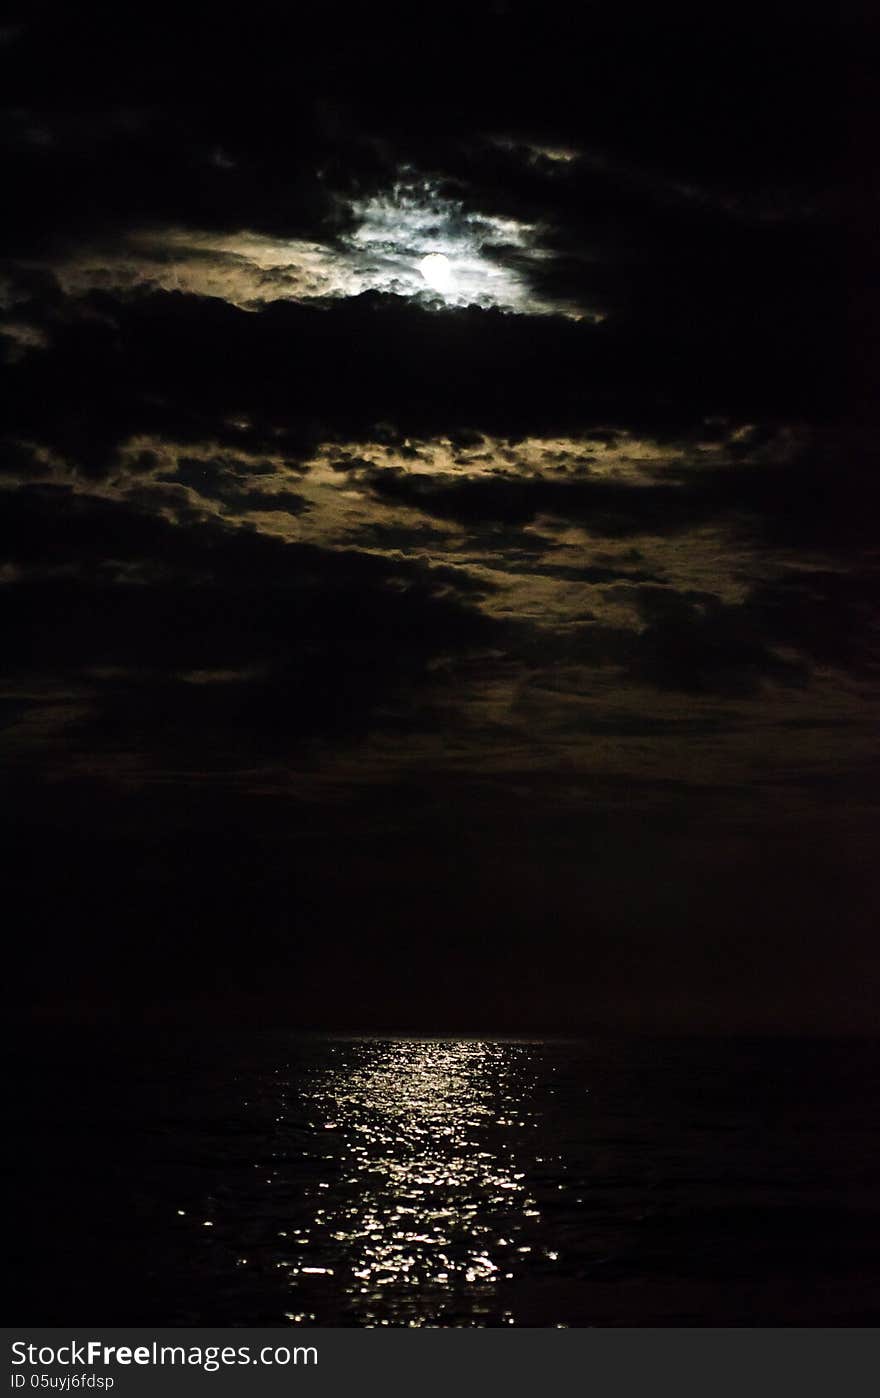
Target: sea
pixel 250 1178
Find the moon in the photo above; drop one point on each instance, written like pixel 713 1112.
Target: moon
pixel 437 271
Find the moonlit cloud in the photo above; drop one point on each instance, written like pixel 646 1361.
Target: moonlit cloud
pixel 21 338
pixel 488 258
pixel 548 157
pixel 395 232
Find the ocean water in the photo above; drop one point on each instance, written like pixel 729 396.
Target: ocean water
pixel 254 1179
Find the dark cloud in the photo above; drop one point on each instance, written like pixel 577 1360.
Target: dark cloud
pixel 699 645
pixel 609 509
pixel 217 643
pixel 831 617
pixel 815 498
pixel 695 643
pixel 183 366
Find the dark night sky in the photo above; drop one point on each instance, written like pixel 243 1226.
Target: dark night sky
pixel 501 655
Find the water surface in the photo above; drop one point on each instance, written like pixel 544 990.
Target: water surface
pixel 275 1179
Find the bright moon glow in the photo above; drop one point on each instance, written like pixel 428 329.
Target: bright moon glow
pixel 437 272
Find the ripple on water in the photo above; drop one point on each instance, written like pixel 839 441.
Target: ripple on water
pixel 425 1209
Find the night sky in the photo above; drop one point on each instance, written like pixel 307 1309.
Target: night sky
pixel 485 643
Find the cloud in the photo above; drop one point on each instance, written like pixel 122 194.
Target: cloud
pixel 699 645
pixel 23 339
pixel 493 262
pixel 182 367
pixel 193 643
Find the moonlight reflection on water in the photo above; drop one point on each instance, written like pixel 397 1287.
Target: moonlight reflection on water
pixel 431 1202
pixel 276 1179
